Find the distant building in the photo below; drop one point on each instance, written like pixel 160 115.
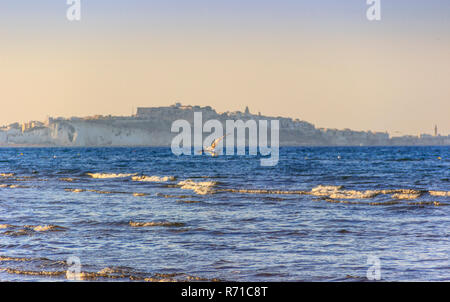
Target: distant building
pixel 423 135
pixel 151 126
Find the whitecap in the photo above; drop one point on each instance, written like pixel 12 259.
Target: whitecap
pixel 338 193
pixel 110 175
pixel 6 174
pixel 75 190
pixel 201 188
pixel 44 228
pixel 153 178
pixel 407 196
pixel 440 193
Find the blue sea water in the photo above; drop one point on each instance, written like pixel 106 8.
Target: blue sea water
pixel 146 214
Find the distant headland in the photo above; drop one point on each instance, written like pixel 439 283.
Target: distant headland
pixel 151 126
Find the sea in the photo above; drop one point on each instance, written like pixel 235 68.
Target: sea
pixel 144 214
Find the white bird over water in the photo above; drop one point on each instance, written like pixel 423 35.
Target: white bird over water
pixel 212 149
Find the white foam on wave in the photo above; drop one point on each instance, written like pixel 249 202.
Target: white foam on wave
pixel 139 194
pixel 338 192
pixel 110 175
pixel 325 190
pixel 156 224
pixel 13 186
pixel 263 191
pixel 153 178
pixel 6 174
pixel 75 190
pixel 67 179
pixel 44 228
pixel 406 196
pixel 201 188
pixel 440 193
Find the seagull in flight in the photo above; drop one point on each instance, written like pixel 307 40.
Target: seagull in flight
pixel 212 149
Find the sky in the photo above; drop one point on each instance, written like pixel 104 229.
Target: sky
pixel 320 61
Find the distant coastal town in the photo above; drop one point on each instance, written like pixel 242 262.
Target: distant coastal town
pixel 151 126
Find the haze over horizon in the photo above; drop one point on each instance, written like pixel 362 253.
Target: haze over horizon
pixel 320 61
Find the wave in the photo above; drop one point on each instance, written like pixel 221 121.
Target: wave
pixel 156 224
pixel 30 178
pixel 85 276
pixel 439 193
pixel 13 186
pixel 75 190
pixel 263 191
pixel 330 200
pixel 107 192
pixel 434 203
pixel 21 232
pixel 34 273
pixel 67 179
pixel 139 194
pixel 200 188
pixel 109 273
pixel 7 174
pixel 110 175
pixel 320 191
pixel 44 267
pixel 15 259
pixel 338 193
pixel 388 203
pixel 407 196
pixel 172 196
pixel 153 178
pixel 28 230
pixel 45 228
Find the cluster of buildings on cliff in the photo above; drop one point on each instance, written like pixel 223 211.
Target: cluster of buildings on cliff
pixel 151 127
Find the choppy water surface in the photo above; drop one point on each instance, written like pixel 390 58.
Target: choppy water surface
pixel 145 214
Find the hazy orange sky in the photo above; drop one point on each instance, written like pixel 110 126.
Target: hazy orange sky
pixel 319 61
